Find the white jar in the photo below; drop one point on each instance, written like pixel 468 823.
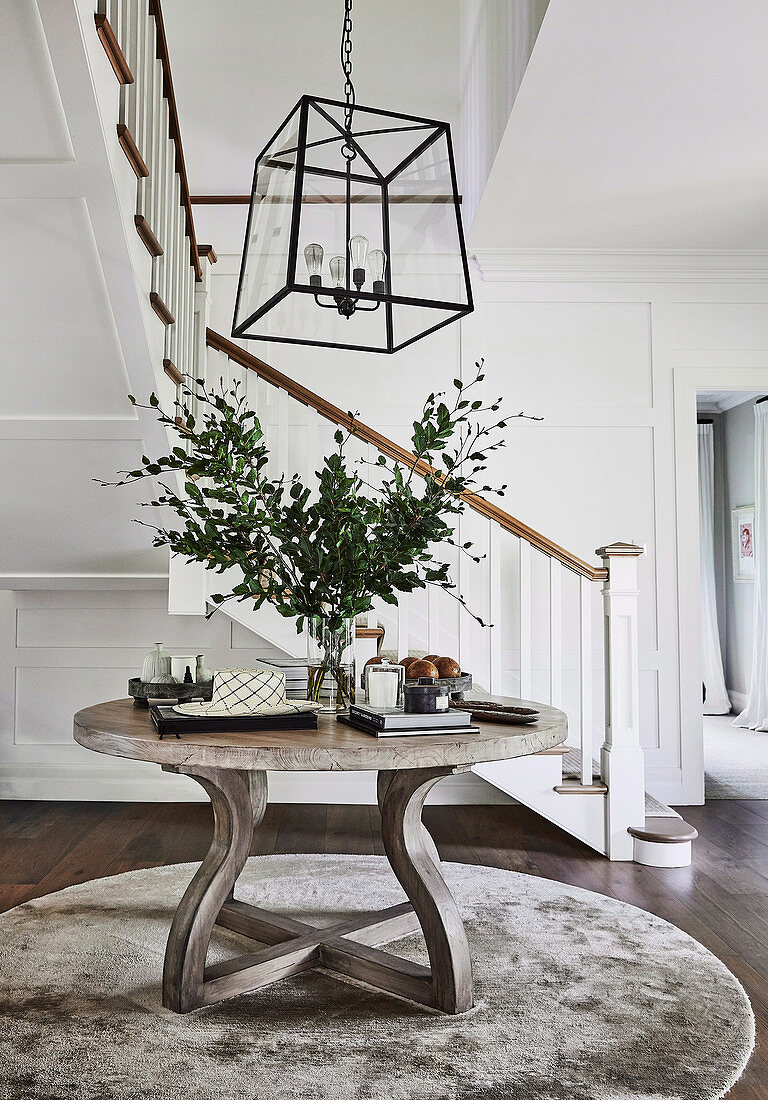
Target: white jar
pixel 384 685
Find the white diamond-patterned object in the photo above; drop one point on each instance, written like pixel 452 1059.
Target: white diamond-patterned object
pixel 245 691
pixel 247 688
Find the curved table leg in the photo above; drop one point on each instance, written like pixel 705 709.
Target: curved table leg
pixel 238 799
pixel 413 856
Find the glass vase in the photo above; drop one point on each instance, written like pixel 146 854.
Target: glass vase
pixel 330 664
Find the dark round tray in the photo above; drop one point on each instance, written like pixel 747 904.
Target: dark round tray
pixel 182 693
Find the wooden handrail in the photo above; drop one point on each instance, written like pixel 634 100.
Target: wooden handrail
pixel 175 132
pixel 388 447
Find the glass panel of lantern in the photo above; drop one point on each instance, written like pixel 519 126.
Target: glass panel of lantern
pixel 370 259
pixel 264 268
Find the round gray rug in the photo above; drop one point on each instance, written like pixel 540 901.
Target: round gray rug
pixel 579 997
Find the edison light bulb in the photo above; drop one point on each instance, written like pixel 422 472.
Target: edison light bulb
pixel 358 251
pixel 313 254
pixel 377 262
pixel 337 265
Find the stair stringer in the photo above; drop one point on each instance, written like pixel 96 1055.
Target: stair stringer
pixel 266 622
pixel 531 780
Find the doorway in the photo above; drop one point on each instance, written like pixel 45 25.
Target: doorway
pixel 735 758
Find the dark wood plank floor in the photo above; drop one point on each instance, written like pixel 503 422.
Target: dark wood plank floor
pixel 722 900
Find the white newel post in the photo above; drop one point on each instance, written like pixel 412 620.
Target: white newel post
pixel 188 582
pixel 622 761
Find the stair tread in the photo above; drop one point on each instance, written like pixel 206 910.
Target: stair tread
pixel 575 786
pixel 664 830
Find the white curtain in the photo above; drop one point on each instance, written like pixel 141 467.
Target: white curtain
pixel 716 700
pixel 755 714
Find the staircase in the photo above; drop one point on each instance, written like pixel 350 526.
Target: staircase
pixel 564 632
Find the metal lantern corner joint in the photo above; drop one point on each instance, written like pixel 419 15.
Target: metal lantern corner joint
pixel 354 236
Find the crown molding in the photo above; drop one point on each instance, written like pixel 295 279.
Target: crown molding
pixel 631 265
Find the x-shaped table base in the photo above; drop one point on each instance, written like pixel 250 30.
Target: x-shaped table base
pixel 347 948
pixel 239 799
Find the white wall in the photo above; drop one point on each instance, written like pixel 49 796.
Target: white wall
pixel 61 651
pixel 496 40
pixel 612 364
pixel 738 443
pixel 610 352
pixel 64 650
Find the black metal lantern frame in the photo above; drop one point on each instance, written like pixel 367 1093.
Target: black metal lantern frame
pixel 339 177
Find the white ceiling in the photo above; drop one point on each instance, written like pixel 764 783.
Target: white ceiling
pixel 717 401
pixel 239 66
pixel 640 124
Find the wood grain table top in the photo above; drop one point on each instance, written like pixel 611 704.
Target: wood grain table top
pixel 119 729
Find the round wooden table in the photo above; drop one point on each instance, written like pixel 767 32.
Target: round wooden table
pixel 232 768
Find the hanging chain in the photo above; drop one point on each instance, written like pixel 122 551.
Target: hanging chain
pixel 349 89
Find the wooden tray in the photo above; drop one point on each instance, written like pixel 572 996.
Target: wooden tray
pixel 497 712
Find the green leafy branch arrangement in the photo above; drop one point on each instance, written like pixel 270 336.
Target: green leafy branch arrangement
pixel 329 549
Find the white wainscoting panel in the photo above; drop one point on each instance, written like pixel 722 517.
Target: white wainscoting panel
pixel 61 651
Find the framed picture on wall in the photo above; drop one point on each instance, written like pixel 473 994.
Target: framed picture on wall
pixel 743 542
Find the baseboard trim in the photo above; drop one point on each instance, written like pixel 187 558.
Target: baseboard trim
pixel 134 781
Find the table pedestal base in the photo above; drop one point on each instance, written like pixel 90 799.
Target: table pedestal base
pixel 239 799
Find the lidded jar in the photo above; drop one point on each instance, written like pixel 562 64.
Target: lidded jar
pixel 383 684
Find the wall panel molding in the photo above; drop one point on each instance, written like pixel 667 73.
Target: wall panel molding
pixel 579 265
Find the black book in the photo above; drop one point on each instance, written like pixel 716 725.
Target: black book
pixel 412 731
pixel 167 721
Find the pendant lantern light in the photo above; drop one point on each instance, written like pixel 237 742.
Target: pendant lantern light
pixel 354 236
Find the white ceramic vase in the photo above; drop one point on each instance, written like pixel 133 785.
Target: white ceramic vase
pixel 156 664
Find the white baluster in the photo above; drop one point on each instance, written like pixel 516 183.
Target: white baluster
pixel 495 606
pixel 144 79
pixel 433 619
pixel 585 679
pixel 131 51
pixel 283 441
pixel 167 206
pixel 403 632
pixel 622 758
pixel 173 298
pixel 555 633
pixel 191 335
pixel 126 17
pixel 524 636
pixel 158 162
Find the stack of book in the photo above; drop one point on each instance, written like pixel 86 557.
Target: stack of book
pixel 394 722
pixel 296 675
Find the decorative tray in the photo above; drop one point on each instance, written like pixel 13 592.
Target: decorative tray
pixel 482 711
pixel 457 684
pixel 182 693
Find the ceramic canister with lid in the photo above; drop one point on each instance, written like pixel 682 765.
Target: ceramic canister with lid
pixel 425 696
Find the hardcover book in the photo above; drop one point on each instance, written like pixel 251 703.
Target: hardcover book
pixel 411 731
pixel 167 721
pixel 396 718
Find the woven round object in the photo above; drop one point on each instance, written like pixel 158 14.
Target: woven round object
pixel 578 997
